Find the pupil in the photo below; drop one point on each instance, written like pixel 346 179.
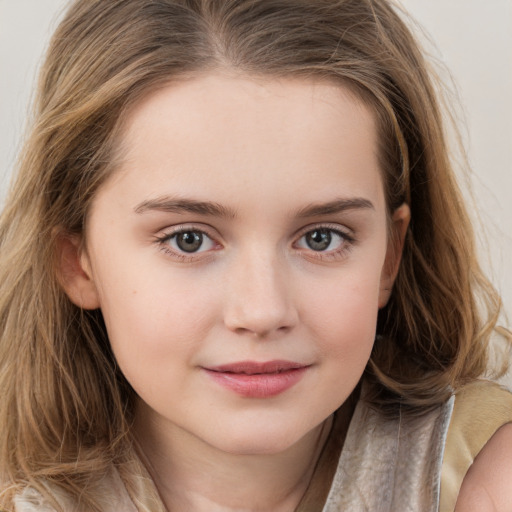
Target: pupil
pixel 319 240
pixel 189 241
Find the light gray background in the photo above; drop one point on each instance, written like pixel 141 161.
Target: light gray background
pixel 472 37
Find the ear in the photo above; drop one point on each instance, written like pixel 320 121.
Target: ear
pixel 74 272
pixel 398 229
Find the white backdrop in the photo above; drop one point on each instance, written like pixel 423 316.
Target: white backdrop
pixel 473 38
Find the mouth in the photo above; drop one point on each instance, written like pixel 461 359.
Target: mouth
pixel 257 368
pixel 252 379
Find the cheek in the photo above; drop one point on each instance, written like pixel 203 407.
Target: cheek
pixel 153 314
pixel 341 319
pixel 343 314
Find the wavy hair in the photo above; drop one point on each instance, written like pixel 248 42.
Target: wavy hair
pixel 65 408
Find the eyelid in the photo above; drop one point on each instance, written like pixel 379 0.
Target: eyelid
pixel 347 234
pixel 337 228
pixel 168 233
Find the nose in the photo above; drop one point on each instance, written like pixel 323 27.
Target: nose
pixel 259 299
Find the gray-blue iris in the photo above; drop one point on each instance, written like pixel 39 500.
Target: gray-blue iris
pixel 319 239
pixel 189 241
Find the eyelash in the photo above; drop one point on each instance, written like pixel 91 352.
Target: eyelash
pixel 163 243
pixel 347 242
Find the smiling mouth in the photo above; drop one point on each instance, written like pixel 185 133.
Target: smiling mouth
pixel 253 379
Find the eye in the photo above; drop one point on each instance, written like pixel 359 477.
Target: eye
pixel 188 241
pixel 323 240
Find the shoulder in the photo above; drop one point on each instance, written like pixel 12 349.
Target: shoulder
pixel 108 495
pixel 480 429
pixel 486 486
pixel 31 500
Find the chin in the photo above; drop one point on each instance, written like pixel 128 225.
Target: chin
pixel 253 447
pixel 258 440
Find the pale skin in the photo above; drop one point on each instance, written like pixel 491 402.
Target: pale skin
pixel 258 171
pixel 487 485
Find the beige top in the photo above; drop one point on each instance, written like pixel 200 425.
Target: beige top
pixel 416 464
pixel 397 464
pixel 480 409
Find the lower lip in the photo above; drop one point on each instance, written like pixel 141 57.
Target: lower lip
pixel 259 385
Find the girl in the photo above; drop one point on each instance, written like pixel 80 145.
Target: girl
pixel 237 272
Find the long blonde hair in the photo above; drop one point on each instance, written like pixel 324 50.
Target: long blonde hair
pixel 65 409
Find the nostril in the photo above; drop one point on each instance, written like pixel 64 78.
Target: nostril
pixel 262 333
pixel 258 301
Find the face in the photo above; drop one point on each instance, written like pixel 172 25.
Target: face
pixel 240 256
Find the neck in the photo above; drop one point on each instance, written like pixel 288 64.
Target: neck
pixel 192 475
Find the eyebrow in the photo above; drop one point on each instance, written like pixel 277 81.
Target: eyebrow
pixel 182 205
pixel 336 206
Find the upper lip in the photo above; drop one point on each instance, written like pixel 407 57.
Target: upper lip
pixel 255 367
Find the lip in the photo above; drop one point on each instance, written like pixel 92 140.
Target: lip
pixel 253 379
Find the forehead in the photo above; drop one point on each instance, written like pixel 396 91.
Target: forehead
pixel 258 138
